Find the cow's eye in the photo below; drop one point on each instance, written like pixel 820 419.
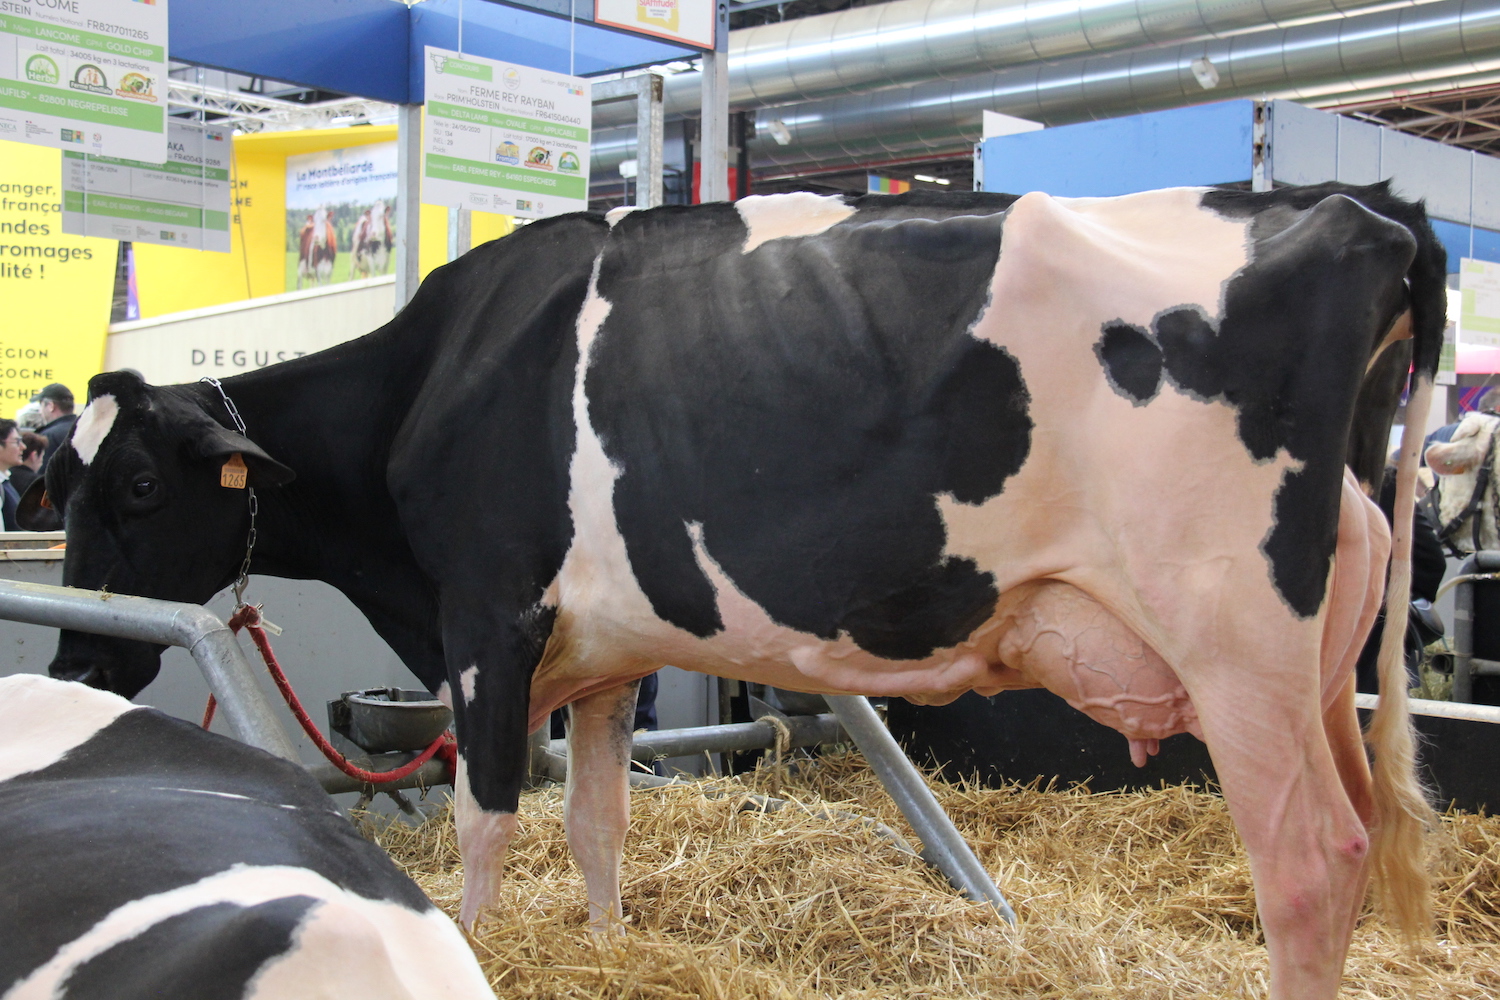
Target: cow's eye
pixel 143 488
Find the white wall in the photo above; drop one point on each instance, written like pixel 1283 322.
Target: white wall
pixel 243 336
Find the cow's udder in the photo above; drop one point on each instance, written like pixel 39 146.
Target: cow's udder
pixel 1061 638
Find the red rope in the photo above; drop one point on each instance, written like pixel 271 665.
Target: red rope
pixel 444 748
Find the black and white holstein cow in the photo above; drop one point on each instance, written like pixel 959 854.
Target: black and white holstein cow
pixel 908 446
pixel 143 858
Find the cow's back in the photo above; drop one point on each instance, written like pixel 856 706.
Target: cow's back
pixel 141 855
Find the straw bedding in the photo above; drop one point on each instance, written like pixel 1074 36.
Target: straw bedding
pixel 1128 895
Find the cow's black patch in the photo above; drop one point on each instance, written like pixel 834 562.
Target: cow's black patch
pixel 804 415
pixel 1380 392
pixel 1132 361
pixel 208 953
pixel 938 609
pixel 136 801
pixel 1299 323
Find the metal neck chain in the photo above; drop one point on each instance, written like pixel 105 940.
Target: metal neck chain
pixel 239 425
pixel 234 411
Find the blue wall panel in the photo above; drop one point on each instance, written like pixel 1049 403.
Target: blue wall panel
pixel 373 48
pixel 511 34
pixel 348 46
pixel 1455 239
pixel 1209 144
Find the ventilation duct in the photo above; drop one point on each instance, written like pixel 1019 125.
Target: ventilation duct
pixel 1385 49
pixel 908 41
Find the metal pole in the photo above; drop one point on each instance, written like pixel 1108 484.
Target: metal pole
pixel 1437 709
pixel 648 141
pixel 744 130
pixel 714 139
pixel 805 731
pixel 168 623
pixel 408 202
pixel 1463 635
pixel 460 234
pixel 942 845
pixel 1261 175
pixel 334 781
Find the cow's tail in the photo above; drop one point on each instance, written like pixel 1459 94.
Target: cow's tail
pixel 1403 815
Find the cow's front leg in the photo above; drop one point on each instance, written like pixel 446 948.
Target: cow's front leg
pixel 491 656
pixel 596 810
pixel 1309 851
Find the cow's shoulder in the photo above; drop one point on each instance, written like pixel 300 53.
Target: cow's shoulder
pixel 508 274
pixel 490 414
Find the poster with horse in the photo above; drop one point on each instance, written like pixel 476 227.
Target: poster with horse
pixel 340 215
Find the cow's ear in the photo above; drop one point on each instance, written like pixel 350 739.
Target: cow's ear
pixel 35 512
pixel 221 442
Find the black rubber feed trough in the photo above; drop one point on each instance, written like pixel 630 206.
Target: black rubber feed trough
pixel 1025 735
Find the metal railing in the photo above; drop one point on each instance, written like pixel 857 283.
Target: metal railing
pixel 1467 666
pixel 196 629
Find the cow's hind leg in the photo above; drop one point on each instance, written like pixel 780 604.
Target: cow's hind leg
pixel 1308 848
pixel 597 807
pixel 491 656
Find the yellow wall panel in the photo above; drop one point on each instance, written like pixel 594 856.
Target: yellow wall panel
pixel 433 251
pixel 55 290
pixel 483 227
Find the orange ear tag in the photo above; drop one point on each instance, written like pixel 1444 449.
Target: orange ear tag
pixel 233 474
pixel 46 501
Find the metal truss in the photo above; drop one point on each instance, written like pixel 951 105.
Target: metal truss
pixel 1468 116
pixel 258 113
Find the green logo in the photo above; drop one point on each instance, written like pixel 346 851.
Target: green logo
pixel 41 69
pixel 460 67
pixel 568 163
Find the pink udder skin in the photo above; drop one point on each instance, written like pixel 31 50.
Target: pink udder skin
pixel 1066 641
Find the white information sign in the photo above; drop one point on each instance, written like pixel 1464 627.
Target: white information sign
pixel 1479 289
pixel 85 75
pixel 183 202
pixel 505 138
pixel 688 21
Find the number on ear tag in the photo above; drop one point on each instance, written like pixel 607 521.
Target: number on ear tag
pixel 233 474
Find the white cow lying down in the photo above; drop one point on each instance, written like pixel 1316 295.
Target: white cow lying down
pixel 143 857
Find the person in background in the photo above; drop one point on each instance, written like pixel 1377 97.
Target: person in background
pixel 10 457
pixel 29 417
pixel 1427 568
pixel 56 401
pixel 33 450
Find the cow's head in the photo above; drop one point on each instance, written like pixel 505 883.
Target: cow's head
pixel 139 487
